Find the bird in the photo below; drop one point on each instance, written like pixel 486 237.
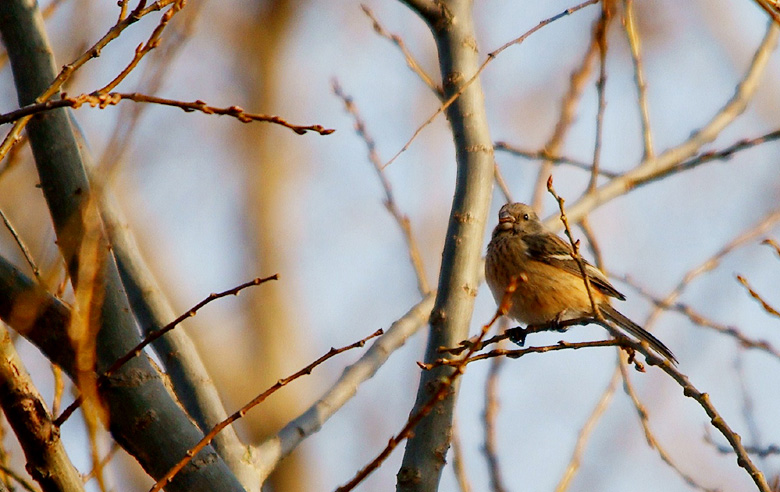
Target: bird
pixel 547 278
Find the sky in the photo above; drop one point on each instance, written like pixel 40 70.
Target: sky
pixel 345 268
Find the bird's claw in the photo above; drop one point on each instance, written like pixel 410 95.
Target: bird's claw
pixel 517 335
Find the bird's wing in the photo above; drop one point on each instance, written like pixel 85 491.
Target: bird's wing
pixel 551 249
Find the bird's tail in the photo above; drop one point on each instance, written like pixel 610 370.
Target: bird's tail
pixel 613 315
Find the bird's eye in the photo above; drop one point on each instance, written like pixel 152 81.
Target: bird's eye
pixel 526 217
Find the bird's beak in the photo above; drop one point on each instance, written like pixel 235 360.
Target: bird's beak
pixel 505 221
pixel 505 217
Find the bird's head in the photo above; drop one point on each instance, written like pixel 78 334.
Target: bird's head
pixel 518 218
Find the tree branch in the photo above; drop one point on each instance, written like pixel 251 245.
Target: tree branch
pixel 461 258
pixel 136 393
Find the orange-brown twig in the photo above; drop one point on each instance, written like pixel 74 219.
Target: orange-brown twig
pixel 634 42
pixel 14 136
pixel 755 295
pixel 256 401
pixel 438 395
pixel 25 251
pixel 772 243
pixel 575 248
pixel 142 49
pixel 490 57
pixel 112 98
pixel 135 351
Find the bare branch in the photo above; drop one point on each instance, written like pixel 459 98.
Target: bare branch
pixel 410 60
pixel 635 44
pixel 490 416
pixel 651 169
pixel 601 39
pixel 586 431
pixel 490 57
pixel 141 10
pixel 47 461
pixel 373 156
pixel 457 460
pixel 112 98
pixel 547 157
pixel 151 337
pixel 26 252
pixel 162 482
pixel 270 452
pixel 652 441
pixel 755 295
pixel 668 304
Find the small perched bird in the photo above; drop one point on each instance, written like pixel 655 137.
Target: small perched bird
pixel 549 284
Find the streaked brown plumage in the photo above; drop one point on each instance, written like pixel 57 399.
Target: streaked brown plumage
pixel 549 284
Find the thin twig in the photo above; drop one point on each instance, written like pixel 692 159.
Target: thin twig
pixel 586 431
pixel 141 10
pixel 712 262
pixel 601 40
pixel 541 349
pixel 401 219
pixel 112 98
pixel 410 60
pixel 546 156
pixel 700 320
pixel 143 49
pixel 59 388
pixel 166 479
pixel 441 392
pixel 151 337
pixel 772 243
pixel 519 334
pixel 20 479
pixel 103 462
pixel 652 441
pixel 26 252
pixel 755 295
pixel 748 405
pixel 501 182
pixel 490 57
pixel 490 417
pixel 566 117
pixel 457 460
pixel 635 43
pixel 761 452
pixel 12 158
pixel 575 249
pixel 593 244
